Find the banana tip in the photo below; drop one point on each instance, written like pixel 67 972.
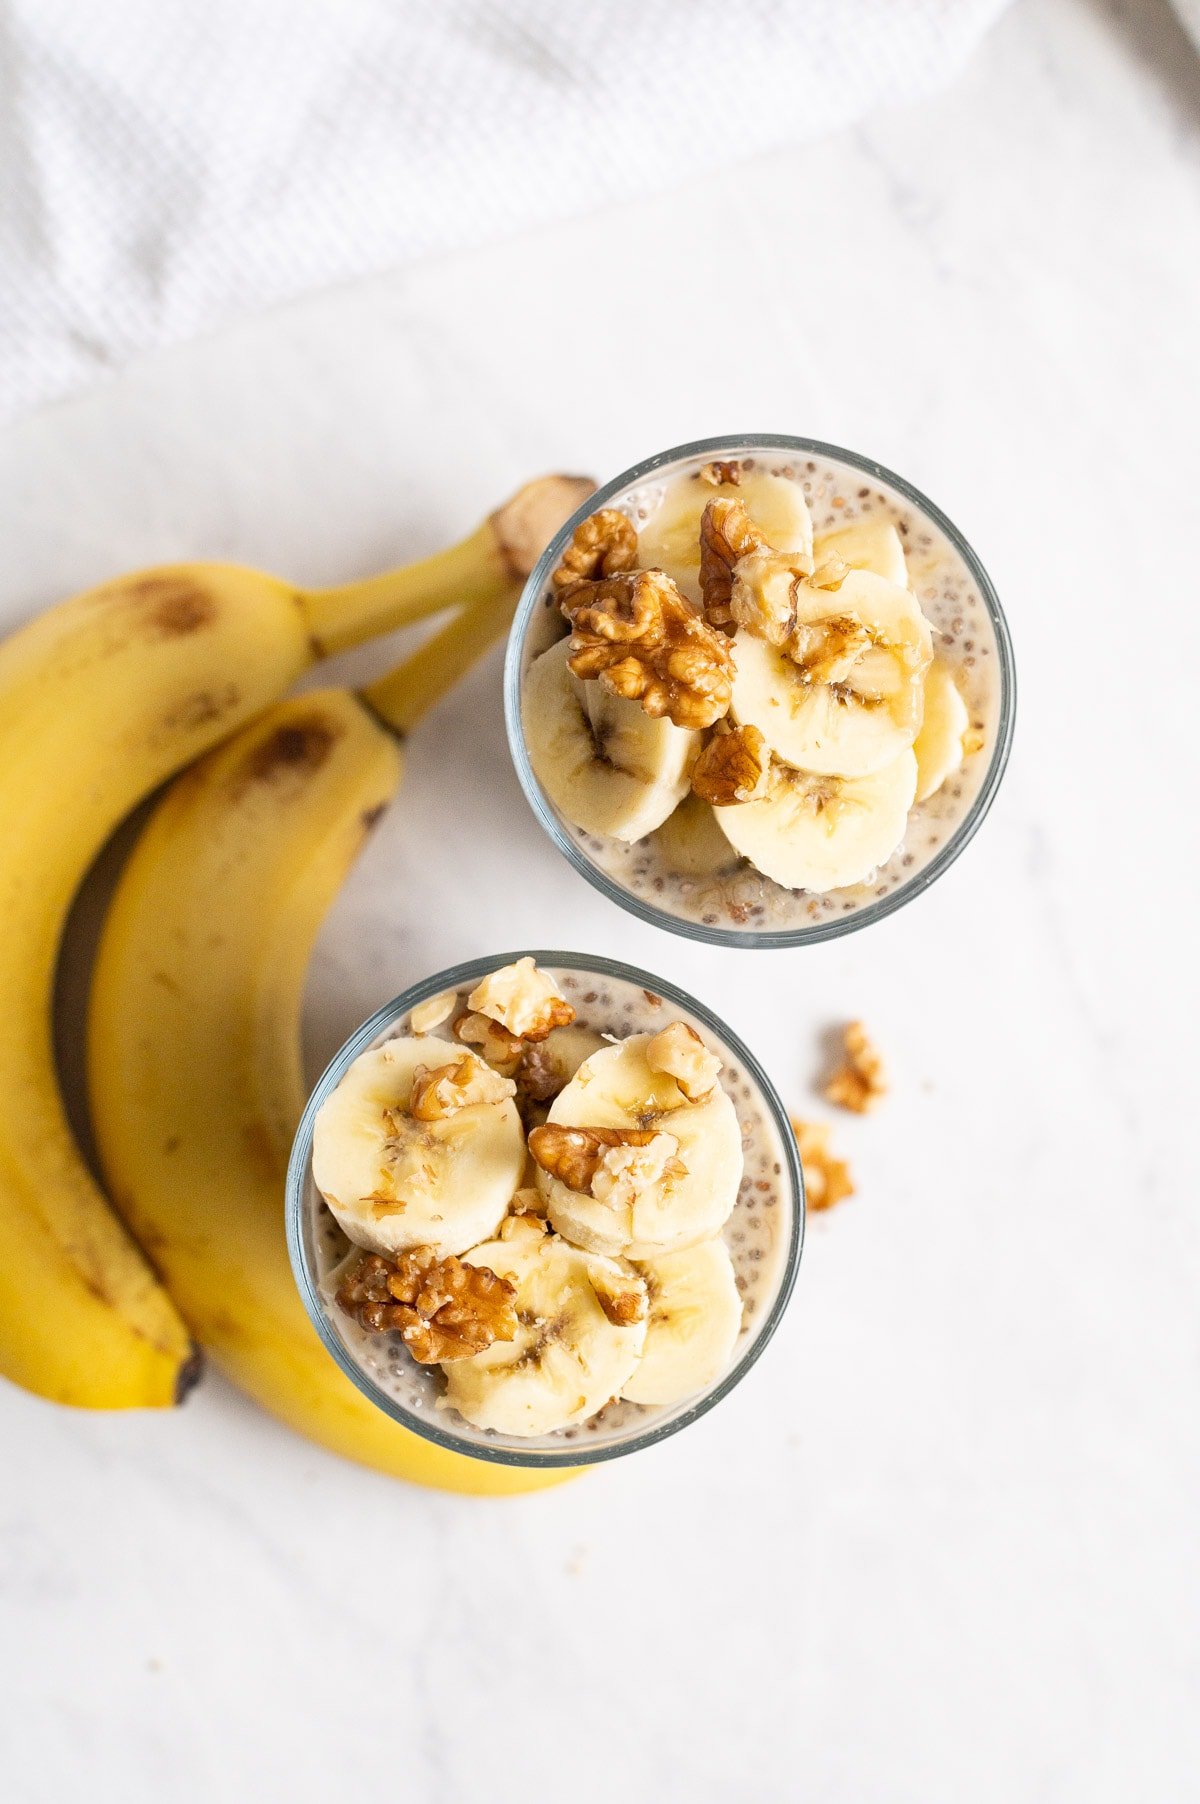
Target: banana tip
pixel 189 1375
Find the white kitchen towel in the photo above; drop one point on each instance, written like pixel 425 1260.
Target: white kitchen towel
pixel 166 165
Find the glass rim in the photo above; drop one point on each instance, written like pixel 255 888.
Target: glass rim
pixel 759 938
pixel 300 1163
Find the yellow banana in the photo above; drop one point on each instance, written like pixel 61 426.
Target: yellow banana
pixel 194 1034
pixel 101 699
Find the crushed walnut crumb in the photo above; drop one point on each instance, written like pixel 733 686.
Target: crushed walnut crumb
pixel 861 1082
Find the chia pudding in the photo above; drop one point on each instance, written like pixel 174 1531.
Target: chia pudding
pixel 684 870
pixel 760 1233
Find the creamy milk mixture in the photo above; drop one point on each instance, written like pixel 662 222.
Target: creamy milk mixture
pixel 757 1232
pixel 963 638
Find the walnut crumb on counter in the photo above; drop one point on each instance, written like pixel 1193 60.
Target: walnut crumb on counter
pixel 861 1082
pixel 826 1180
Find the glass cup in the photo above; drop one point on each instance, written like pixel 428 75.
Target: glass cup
pixel 737 906
pixel 764 1234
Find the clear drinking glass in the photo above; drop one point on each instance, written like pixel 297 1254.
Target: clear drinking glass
pixel 764 1234
pixel 742 907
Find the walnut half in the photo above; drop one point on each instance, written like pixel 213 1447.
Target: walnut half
pixel 732 767
pixel 441 1308
pixel 638 635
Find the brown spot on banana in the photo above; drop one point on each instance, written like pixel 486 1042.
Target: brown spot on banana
pixel 297 749
pixel 202 708
pixel 174 605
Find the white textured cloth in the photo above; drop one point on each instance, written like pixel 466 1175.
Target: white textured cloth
pixel 166 165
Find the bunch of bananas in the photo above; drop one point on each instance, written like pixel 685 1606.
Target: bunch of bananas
pixel 195 1073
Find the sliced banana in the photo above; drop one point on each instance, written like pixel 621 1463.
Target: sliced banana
pixel 820 832
pixel 691 843
pixel 670 539
pixel 564 1051
pixel 845 698
pixel 582 1330
pixel 393 1181
pixel 616 1088
pixel 601 759
pixel 695 1319
pixel 865 545
pixel 939 744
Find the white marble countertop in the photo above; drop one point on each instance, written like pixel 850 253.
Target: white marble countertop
pixel 942 1544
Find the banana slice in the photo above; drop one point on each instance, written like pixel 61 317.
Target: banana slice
pixel 679 1198
pixel 563 1051
pixel 866 545
pixel 845 699
pixel 818 832
pixel 695 1319
pixel 600 758
pixel 939 744
pixel 582 1330
pixel 394 1181
pixel 670 539
pixel 691 843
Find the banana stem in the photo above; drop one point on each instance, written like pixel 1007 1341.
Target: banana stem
pixel 480 569
pixel 405 695
pixel 474 570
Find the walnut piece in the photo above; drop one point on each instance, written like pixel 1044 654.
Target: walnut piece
pixel 441 1308
pixel 501 1049
pixel 442 1090
pixel 679 1052
pixel 428 1015
pixel 826 650
pixel 638 635
pixel 732 767
pixel 627 1173
pixel 727 534
pixel 860 1082
pixel 573 1154
pixel 766 589
pixel 522 1223
pixel 621 1294
pixel 826 1180
pixel 528 1201
pixel 540 1076
pixel 720 473
pixel 602 545
pixel 523 1000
